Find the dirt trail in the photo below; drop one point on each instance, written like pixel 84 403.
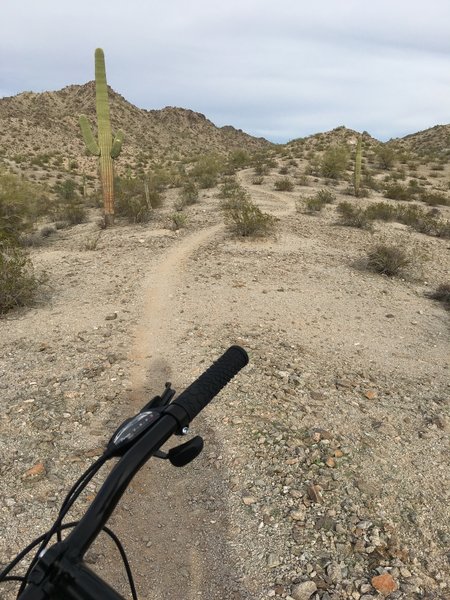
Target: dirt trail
pixel 156 334
pixel 174 522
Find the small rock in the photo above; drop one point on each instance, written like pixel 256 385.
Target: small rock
pixel 315 493
pixel 330 462
pixel 273 561
pixel 370 394
pixel 334 573
pixel 111 317
pixel 298 515
pixel 390 316
pixel 304 591
pixel 384 583
pixel 248 500
pixel 36 472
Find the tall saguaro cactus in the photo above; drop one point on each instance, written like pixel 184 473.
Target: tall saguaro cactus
pixel 357 174
pixel 105 148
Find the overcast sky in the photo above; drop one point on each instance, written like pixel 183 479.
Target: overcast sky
pixel 281 69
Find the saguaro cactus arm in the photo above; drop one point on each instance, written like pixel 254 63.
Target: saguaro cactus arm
pixel 117 144
pixel 88 136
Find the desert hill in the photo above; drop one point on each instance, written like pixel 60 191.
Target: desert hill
pixel 433 142
pixel 41 129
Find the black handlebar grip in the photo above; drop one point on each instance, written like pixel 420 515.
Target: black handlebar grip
pixel 195 397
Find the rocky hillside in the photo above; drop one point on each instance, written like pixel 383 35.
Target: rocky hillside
pixel 41 130
pixel 432 142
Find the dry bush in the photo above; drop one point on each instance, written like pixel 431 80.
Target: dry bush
pixel 442 294
pixel 18 282
pixel 284 184
pixel 389 259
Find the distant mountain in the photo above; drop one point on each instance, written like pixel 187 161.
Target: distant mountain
pixel 42 129
pixel 434 141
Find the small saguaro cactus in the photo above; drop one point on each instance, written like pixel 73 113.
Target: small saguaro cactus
pixel 357 174
pixel 105 148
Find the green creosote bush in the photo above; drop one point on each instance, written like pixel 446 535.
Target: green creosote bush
pixel 231 188
pixel 314 204
pixel 136 198
pixel 245 219
pixel 18 282
pixel 434 198
pixel 381 211
pixel 69 206
pixel 353 216
pixel 284 185
pixel 206 171
pixel 188 194
pixel 397 191
pixel 238 159
pixel 326 196
pixel 334 162
pixel 388 259
pixel 178 220
pixel 21 203
pixel 385 156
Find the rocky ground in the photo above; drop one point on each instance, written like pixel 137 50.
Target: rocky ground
pixel 325 470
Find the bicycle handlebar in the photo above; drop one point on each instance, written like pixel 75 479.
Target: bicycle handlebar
pixel 202 390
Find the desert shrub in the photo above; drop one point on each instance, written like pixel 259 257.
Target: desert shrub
pixel 388 259
pixel 189 193
pixel 91 243
pixel 69 206
pixel 303 180
pixel 21 203
pixel 72 212
pixel 385 156
pixel 326 196
pixel 368 182
pixel 178 220
pixel 334 162
pixel 246 219
pixel 230 188
pixel 61 225
pixel 47 231
pixel 442 294
pixel 409 215
pixel 284 184
pixel 434 198
pixel 18 282
pixel 381 211
pixel 312 205
pixel 135 198
pixel 262 163
pixel 353 216
pixel 238 159
pixel 258 180
pixel 283 170
pixel 206 171
pixel 397 191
